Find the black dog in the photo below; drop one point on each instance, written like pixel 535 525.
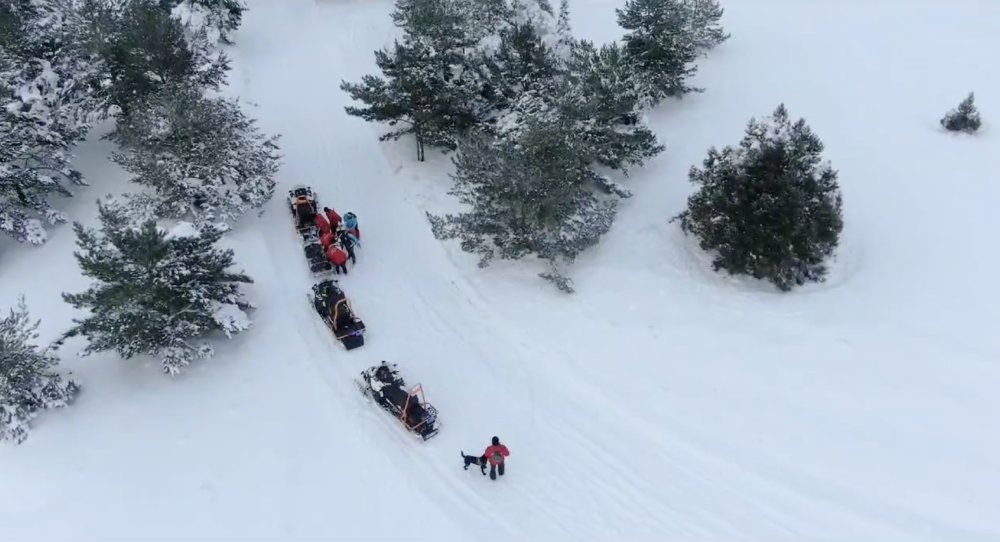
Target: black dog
pixel 473 460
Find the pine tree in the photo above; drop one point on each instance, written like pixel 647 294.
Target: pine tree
pixel 28 381
pixel 564 31
pixel 529 195
pixel 703 24
pixel 156 291
pixel 769 208
pixel 664 38
pixel 601 94
pixel 428 82
pixel 146 48
pixel 416 93
pixel 202 157
pixel 963 119
pixel 47 89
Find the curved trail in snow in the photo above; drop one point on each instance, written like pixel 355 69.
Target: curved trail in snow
pixel 582 465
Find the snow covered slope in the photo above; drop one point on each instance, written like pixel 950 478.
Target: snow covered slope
pixel 661 401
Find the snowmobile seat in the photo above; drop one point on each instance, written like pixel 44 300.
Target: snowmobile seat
pixel 305 213
pixel 396 396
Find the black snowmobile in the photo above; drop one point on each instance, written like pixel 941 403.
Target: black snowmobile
pixel 304 206
pixel 383 384
pixel 335 309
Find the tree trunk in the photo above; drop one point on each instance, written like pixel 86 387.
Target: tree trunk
pixel 420 146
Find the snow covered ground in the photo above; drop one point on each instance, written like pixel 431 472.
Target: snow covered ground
pixel 661 401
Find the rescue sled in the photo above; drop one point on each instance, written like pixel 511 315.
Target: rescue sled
pixel 304 206
pixel 335 309
pixel 383 384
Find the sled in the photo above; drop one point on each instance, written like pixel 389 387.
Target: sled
pixel 332 305
pixel 304 205
pixel 409 407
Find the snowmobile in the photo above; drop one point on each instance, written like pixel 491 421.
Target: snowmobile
pixel 335 309
pixel 303 204
pixel 384 384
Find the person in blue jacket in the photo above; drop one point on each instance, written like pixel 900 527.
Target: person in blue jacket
pixel 351 224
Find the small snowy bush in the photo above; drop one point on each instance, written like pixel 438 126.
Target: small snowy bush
pixel 768 208
pixel 963 119
pixel 28 381
pixel 156 291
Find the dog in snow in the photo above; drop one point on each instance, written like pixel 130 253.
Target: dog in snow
pixel 474 460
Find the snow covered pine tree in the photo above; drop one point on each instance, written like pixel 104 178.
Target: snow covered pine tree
pixel 47 82
pixel 428 83
pixel 202 157
pixel 769 208
pixel 28 381
pixel 156 290
pixel 531 177
pixel 963 119
pixel 664 38
pixel 144 48
pixel 529 195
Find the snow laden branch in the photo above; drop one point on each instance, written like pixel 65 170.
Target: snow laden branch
pixel 48 102
pixel 28 381
pixel 202 158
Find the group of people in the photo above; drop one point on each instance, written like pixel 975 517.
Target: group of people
pixel 338 235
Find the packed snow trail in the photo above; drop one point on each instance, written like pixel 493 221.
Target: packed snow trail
pixel 661 401
pixel 482 366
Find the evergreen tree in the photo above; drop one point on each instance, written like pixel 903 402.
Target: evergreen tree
pixel 47 89
pixel 202 157
pixel 564 31
pixel 533 194
pixel 769 208
pixel 703 24
pixel 602 96
pixel 432 80
pixel 146 48
pixel 664 38
pixel 28 381
pixel 156 292
pixel 660 47
pixel 417 91
pixel 963 119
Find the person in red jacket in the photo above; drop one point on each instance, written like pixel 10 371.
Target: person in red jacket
pixel 495 454
pixel 338 257
pixel 322 224
pixel 327 239
pixel 332 216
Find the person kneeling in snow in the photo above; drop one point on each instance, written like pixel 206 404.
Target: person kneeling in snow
pixel 337 257
pixel 496 454
pixel 321 224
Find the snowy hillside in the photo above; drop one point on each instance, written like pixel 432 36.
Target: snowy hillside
pixel 661 401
